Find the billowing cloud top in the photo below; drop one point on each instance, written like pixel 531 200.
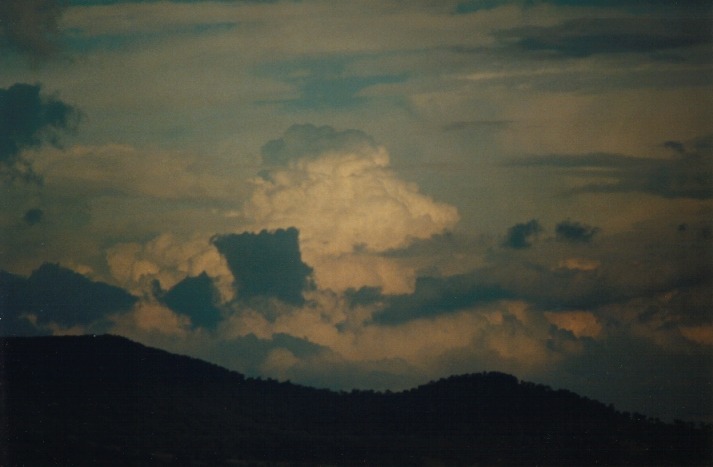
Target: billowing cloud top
pixel 338 189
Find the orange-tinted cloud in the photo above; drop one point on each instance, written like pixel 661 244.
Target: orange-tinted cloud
pixel 579 323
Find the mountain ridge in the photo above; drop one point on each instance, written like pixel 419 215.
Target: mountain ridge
pixel 90 400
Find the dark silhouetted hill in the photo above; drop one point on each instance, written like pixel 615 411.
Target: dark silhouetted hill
pixel 109 401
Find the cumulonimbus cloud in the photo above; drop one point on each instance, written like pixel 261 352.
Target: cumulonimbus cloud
pixel 338 189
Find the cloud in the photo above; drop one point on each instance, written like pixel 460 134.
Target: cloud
pixel 56 295
pixel 281 356
pixel 579 323
pixel 343 198
pixel 28 120
pixel 360 352
pixel 571 231
pixel 423 303
pixel 31 26
pixel 437 295
pixel 120 169
pixel 652 258
pixel 167 259
pixel 365 269
pixel 266 264
pixel 686 174
pixel 584 37
pixel 519 235
pixel 655 258
pixel 579 264
pixel 197 298
pixel 33 216
pixel 702 334
pixel 540 313
pixel 504 335
pixel 310 142
pixel 150 319
pixel 337 188
pixel 327 83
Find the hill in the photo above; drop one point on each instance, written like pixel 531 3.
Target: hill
pixel 109 401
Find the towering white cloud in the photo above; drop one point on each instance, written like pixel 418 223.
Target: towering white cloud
pixel 337 188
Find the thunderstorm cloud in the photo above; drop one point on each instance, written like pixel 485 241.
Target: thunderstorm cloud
pixel 380 194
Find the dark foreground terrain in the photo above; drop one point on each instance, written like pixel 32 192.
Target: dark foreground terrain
pixel 109 401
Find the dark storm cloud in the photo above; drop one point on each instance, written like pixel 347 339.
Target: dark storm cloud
pixel 687 174
pixel 54 294
pixel 311 141
pixel 646 262
pixel 571 231
pixel 519 236
pixel 29 119
pixel 33 216
pixel 437 295
pixel 195 297
pixel 584 37
pixel 267 264
pixel 546 288
pixel 30 26
pixel 631 270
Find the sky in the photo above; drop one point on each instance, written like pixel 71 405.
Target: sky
pixel 369 194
